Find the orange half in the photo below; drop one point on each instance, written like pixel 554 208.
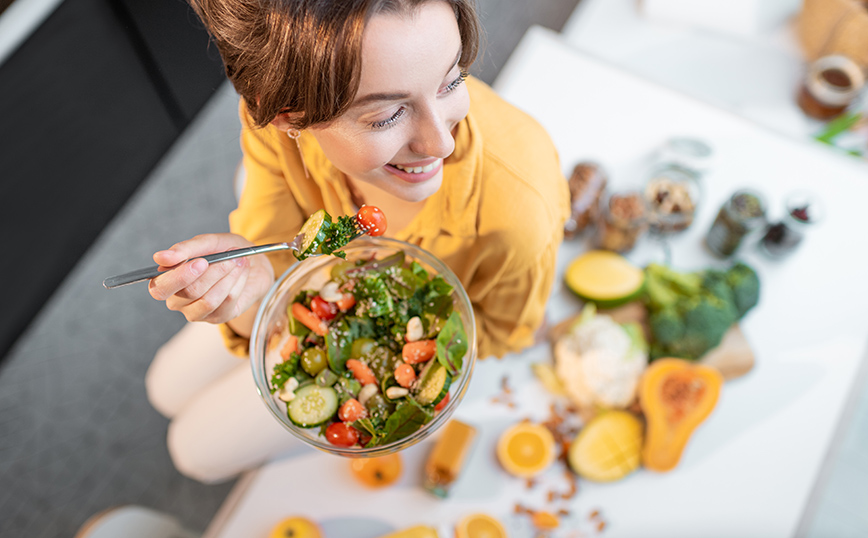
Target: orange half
pixel 526 449
pixel 479 526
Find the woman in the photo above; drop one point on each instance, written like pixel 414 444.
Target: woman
pixel 347 102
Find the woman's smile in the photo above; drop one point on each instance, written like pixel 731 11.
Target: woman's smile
pixel 417 172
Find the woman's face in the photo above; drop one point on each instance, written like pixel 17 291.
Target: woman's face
pixel 410 99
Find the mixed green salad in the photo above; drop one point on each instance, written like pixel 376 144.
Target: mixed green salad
pixel 369 357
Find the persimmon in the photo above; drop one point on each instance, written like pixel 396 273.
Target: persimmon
pixel 377 472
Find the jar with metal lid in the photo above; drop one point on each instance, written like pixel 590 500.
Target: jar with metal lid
pixel 830 85
pixel 803 210
pixel 672 194
pixel 742 214
pixel 587 184
pixel 691 154
pixel 622 220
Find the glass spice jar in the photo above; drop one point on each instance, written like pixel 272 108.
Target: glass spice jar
pixel 743 213
pixel 587 184
pixel 803 210
pixel 672 195
pixel 691 154
pixel 830 85
pixel 623 219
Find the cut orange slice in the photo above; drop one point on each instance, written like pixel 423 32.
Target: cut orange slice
pixel 526 449
pixel 479 526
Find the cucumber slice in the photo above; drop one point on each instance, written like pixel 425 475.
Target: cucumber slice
pixel 295 327
pixel 313 232
pixel 313 405
pixel 433 384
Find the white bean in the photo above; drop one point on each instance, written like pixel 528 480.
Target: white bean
pixel 367 391
pixel 414 329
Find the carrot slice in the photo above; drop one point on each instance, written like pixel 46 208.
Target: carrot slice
pixel 290 346
pixel 309 319
pixel 419 351
pixel 361 371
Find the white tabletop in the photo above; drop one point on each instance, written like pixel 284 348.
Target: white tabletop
pixel 749 469
pixel 753 74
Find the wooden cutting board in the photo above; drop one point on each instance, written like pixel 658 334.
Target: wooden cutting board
pixel 733 358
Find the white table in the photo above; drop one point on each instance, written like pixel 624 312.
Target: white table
pixel 749 469
pixel 753 75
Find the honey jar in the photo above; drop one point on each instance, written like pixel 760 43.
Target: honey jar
pixel 830 85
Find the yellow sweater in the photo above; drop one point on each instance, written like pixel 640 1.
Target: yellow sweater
pixel 497 220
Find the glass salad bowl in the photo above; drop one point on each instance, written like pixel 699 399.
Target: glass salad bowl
pixel 332 330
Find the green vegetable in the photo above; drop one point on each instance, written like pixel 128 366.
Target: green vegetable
pixel 637 336
pixel 452 344
pixel 326 378
pixel 313 405
pixel 745 285
pixel 406 420
pixel 283 371
pixel 434 383
pixel 667 325
pixel 689 313
pixel 313 360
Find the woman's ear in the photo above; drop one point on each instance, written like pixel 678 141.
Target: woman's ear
pixel 286 120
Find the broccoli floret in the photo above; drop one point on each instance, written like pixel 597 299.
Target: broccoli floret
pixel 706 320
pixel 745 285
pixel 667 326
pixel 714 282
pixel 665 286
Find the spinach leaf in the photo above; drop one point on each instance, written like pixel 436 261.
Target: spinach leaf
pixel 452 344
pixel 401 282
pixel 438 286
pixel 420 273
pixel 376 300
pixel 283 371
pixel 408 417
pixel 339 343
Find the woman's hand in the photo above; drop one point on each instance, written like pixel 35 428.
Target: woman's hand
pixel 214 293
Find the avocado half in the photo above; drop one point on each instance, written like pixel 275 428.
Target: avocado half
pixel 605 278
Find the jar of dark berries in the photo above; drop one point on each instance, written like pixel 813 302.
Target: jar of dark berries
pixel 803 210
pixel 742 214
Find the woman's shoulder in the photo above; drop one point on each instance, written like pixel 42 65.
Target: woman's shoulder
pixel 508 131
pixel 523 188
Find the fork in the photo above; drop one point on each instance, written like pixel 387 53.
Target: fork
pixel 148 273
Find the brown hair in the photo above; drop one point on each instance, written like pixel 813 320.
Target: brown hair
pixel 304 56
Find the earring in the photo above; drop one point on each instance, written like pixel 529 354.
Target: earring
pixel 294 134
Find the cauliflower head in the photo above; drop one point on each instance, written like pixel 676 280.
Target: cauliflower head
pixel 599 364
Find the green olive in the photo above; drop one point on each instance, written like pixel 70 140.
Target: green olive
pixel 382 361
pixel 362 347
pixel 339 270
pixel 314 360
pixel 378 406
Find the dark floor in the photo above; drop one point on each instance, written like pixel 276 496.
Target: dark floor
pixel 77 435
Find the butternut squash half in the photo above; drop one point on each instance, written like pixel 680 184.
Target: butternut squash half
pixel 676 396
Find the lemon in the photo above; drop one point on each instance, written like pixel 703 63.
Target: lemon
pixel 296 527
pixel 605 278
pixel 479 526
pixel 608 447
pixel 526 449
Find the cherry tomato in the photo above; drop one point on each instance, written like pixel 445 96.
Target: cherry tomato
pixel 323 309
pixel 442 403
pixel 372 220
pixel 339 434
